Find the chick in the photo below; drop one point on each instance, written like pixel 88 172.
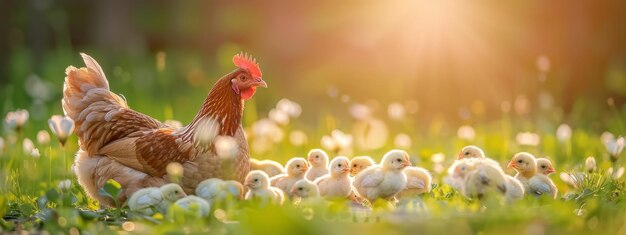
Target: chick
pixel 270 167
pixel 295 168
pixel 384 180
pixel 357 164
pixel 514 189
pixel 457 172
pixel 337 184
pixel 484 179
pixel 534 184
pixel 418 181
pixel 215 190
pixel 194 204
pixel 544 166
pixel 305 189
pixel 258 186
pixel 471 151
pixel 144 200
pixel 319 164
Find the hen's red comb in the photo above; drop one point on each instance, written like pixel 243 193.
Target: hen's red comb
pixel 245 61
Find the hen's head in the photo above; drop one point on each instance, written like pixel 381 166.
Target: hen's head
pixel 247 77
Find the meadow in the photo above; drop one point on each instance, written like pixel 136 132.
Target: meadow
pixel 40 193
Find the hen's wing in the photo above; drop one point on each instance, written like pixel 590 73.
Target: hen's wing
pixel 106 125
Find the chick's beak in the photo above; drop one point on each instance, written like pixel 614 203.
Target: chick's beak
pixel 460 156
pixel 511 165
pixel 551 170
pixel 346 170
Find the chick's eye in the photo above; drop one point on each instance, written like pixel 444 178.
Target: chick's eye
pixel 399 160
pixel 256 180
pixel 339 165
pixel 466 153
pixel 520 161
pixel 297 166
pixel 300 188
pixel 354 165
pixel 544 167
pixel 317 156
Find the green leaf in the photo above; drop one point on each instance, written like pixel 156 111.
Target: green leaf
pixel 52 195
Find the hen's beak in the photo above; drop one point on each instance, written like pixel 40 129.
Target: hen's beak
pixel 260 83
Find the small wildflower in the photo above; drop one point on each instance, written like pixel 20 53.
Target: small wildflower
pixel 590 164
pixel 466 132
pixel 43 138
pixel 62 127
pixel 527 138
pixel 16 120
pixel 564 133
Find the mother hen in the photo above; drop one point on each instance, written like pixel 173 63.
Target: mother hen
pixel 134 149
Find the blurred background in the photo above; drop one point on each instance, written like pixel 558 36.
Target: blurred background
pixel 457 61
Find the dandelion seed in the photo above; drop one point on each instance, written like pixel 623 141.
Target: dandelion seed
pixel 298 138
pixel 16 120
pixel 328 143
pixel 64 184
pixel 62 127
pixel 527 138
pixel 289 107
pixel 267 129
pixel 226 146
pixel 590 164
pixel 402 141
pixel 27 146
pixel 174 124
pixel 279 116
pixel 35 153
pixel 343 140
pixel 43 138
pixel 438 168
pixel 564 133
pixel 466 132
pixel 360 111
pixel 396 111
pixel 438 157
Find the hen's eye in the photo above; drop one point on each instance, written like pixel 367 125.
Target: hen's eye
pixel 243 78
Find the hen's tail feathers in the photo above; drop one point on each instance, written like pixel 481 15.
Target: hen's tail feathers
pixel 86 96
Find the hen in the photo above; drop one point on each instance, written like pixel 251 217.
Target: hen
pixel 134 149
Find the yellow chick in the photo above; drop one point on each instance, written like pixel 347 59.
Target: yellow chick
pixel 295 168
pixel 270 167
pixel 214 190
pixel 337 184
pixel 471 151
pixel 259 187
pixel 544 166
pixel 418 181
pixel 357 164
pixel 384 180
pixel 457 172
pixel 318 159
pixel 534 184
pixel 484 179
pixel 193 204
pixel 144 200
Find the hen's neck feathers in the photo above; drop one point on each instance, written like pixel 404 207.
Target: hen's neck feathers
pixel 223 106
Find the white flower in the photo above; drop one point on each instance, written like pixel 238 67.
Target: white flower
pixel 527 138
pixel 64 184
pixel 279 116
pixel 438 157
pixel 607 137
pixel 466 132
pixel 396 111
pixel 298 138
pixel 27 146
pixel 174 124
pixel 370 134
pixel 590 164
pixel 564 133
pixel 360 111
pixel 267 129
pixel 35 153
pixel 289 107
pixel 43 138
pixel 568 179
pixel 328 143
pixel 402 141
pixel 612 145
pixel 62 127
pixel 226 146
pixel 15 120
pixel 619 173
pixel 337 141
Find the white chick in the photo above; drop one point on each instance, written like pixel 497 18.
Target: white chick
pixel 457 172
pixel 305 189
pixel 357 164
pixel 544 184
pixel 418 181
pixel 195 205
pixel 514 189
pixel 484 179
pixel 295 168
pixel 544 166
pixel 318 159
pixel 258 186
pixel 215 190
pixel 384 180
pixel 534 184
pixel 144 200
pixel 337 184
pixel 270 167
